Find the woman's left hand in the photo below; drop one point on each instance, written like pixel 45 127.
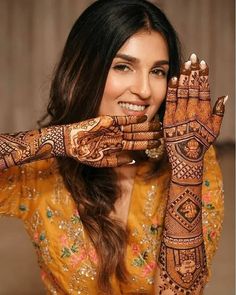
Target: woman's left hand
pixel 190 125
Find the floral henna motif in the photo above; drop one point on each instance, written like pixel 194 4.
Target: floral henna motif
pixel 99 141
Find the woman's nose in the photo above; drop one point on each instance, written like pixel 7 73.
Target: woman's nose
pixel 141 87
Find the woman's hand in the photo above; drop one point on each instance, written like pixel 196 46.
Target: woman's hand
pixel 190 125
pixel 102 141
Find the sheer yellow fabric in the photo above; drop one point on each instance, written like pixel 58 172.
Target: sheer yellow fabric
pixel 36 194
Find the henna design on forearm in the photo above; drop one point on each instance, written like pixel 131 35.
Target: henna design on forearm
pixel 182 255
pixel 190 265
pixel 96 142
pixel 23 147
pixel 190 127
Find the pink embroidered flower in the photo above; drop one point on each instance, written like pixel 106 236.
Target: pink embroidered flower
pixel 204 229
pixel 36 237
pixel 206 198
pixel 82 254
pixel 149 268
pixel 135 249
pixel 213 235
pixel 64 241
pixel 75 260
pixel 93 255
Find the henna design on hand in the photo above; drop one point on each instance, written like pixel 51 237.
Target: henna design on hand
pixel 190 127
pixel 99 142
pixel 190 131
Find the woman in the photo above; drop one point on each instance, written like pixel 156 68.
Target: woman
pixel 106 212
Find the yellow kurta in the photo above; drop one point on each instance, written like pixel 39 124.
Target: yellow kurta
pixel 36 194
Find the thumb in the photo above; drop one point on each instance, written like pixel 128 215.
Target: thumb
pixel 124 159
pixel 218 114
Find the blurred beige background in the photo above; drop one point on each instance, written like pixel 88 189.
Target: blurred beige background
pixel 32 35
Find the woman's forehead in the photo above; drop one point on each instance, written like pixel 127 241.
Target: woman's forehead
pixel 145 45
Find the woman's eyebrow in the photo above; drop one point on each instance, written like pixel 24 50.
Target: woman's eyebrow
pixel 136 60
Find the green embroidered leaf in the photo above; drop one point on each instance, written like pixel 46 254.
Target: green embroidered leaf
pixel 22 207
pixel 145 255
pixel 138 262
pixel 210 206
pixel 75 219
pixel 42 237
pixel 207 183
pixel 153 229
pixel 65 252
pixel 74 248
pixel 49 213
pixel 209 237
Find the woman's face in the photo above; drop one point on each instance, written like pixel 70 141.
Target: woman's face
pixel 137 79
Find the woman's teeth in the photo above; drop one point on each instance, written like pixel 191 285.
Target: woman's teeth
pixel 131 107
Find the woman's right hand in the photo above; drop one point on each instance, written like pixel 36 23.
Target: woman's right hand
pixel 102 141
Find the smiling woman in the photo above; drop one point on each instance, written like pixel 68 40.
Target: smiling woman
pixel 103 216
pixel 137 80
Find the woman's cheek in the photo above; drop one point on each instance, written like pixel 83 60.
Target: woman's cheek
pixel 114 87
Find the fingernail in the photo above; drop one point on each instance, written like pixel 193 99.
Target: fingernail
pixel 174 80
pixel 142 119
pixel 203 64
pixel 225 99
pixel 193 58
pixel 187 64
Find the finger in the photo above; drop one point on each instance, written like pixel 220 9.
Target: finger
pixel 182 92
pixel 142 127
pixel 139 145
pixel 171 100
pixel 116 161
pixel 109 161
pixel 126 120
pixel 143 135
pixel 218 113
pixel 192 106
pixel 204 103
pixel 124 159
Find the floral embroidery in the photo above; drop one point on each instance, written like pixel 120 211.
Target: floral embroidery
pixel 65 254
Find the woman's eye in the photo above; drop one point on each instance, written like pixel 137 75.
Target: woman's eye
pixel 159 72
pixel 123 68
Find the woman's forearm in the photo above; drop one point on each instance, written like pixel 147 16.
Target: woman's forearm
pixel 96 142
pixel 23 147
pixel 182 259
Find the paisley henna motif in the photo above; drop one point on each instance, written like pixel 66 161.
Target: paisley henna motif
pixel 100 141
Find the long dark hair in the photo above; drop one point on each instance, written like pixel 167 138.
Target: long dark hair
pixel 76 92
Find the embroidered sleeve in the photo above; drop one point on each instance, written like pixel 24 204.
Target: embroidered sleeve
pixel 19 188
pixel 11 191
pixel 213 205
